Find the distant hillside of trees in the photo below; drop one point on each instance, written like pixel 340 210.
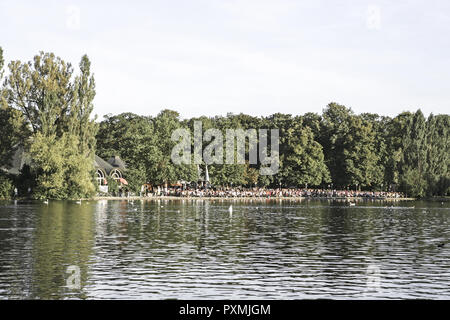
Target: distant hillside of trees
pixel 47 109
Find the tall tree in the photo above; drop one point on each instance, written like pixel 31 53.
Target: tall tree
pixel 165 171
pixel 57 110
pixel 334 130
pixel 350 146
pixel 438 155
pixel 43 91
pixel 361 157
pixel 12 126
pixel 396 131
pixel 304 163
pixel 414 161
pixel 80 123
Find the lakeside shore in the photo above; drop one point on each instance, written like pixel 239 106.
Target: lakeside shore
pixel 296 198
pixel 249 198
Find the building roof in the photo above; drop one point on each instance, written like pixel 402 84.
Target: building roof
pixel 99 163
pixel 21 158
pixel 117 162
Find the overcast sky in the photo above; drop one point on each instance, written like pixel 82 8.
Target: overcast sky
pixel 211 57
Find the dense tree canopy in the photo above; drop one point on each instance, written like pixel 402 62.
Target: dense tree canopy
pixel 47 111
pixel 407 153
pixel 145 144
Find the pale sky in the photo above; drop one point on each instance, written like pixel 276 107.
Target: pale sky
pixel 211 57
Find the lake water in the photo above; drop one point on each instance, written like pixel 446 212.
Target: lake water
pixel 194 249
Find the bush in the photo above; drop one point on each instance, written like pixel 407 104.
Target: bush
pixel 113 186
pixel 6 187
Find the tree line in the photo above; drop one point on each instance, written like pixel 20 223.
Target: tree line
pixel 337 149
pixel 47 109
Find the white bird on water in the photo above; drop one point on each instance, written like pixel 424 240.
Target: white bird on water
pixel 78 202
pixel 230 210
pixel 46 201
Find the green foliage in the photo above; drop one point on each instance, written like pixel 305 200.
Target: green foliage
pixel 113 186
pixel 302 158
pixel 414 162
pixel 164 171
pixel 365 151
pixel 47 153
pixel 438 155
pixel 135 178
pixel 61 171
pixel 145 145
pixel 3 103
pixel 352 148
pixel 228 174
pixel 13 131
pixel 6 187
pixel 334 136
pixel 2 62
pixel 251 175
pixel 13 128
pixel 49 114
pixel 79 169
pixel 79 123
pixel 43 91
pixel 361 157
pixel 25 181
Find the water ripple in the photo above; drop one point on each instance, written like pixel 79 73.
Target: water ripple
pixel 194 250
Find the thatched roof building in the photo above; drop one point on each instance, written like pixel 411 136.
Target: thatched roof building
pixel 113 168
pixel 117 162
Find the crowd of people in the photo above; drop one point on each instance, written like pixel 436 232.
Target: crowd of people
pixel 275 193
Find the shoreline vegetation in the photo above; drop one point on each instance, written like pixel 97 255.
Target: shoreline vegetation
pixel 133 198
pixel 247 198
pixel 52 122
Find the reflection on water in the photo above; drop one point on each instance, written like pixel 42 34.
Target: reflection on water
pixel 193 249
